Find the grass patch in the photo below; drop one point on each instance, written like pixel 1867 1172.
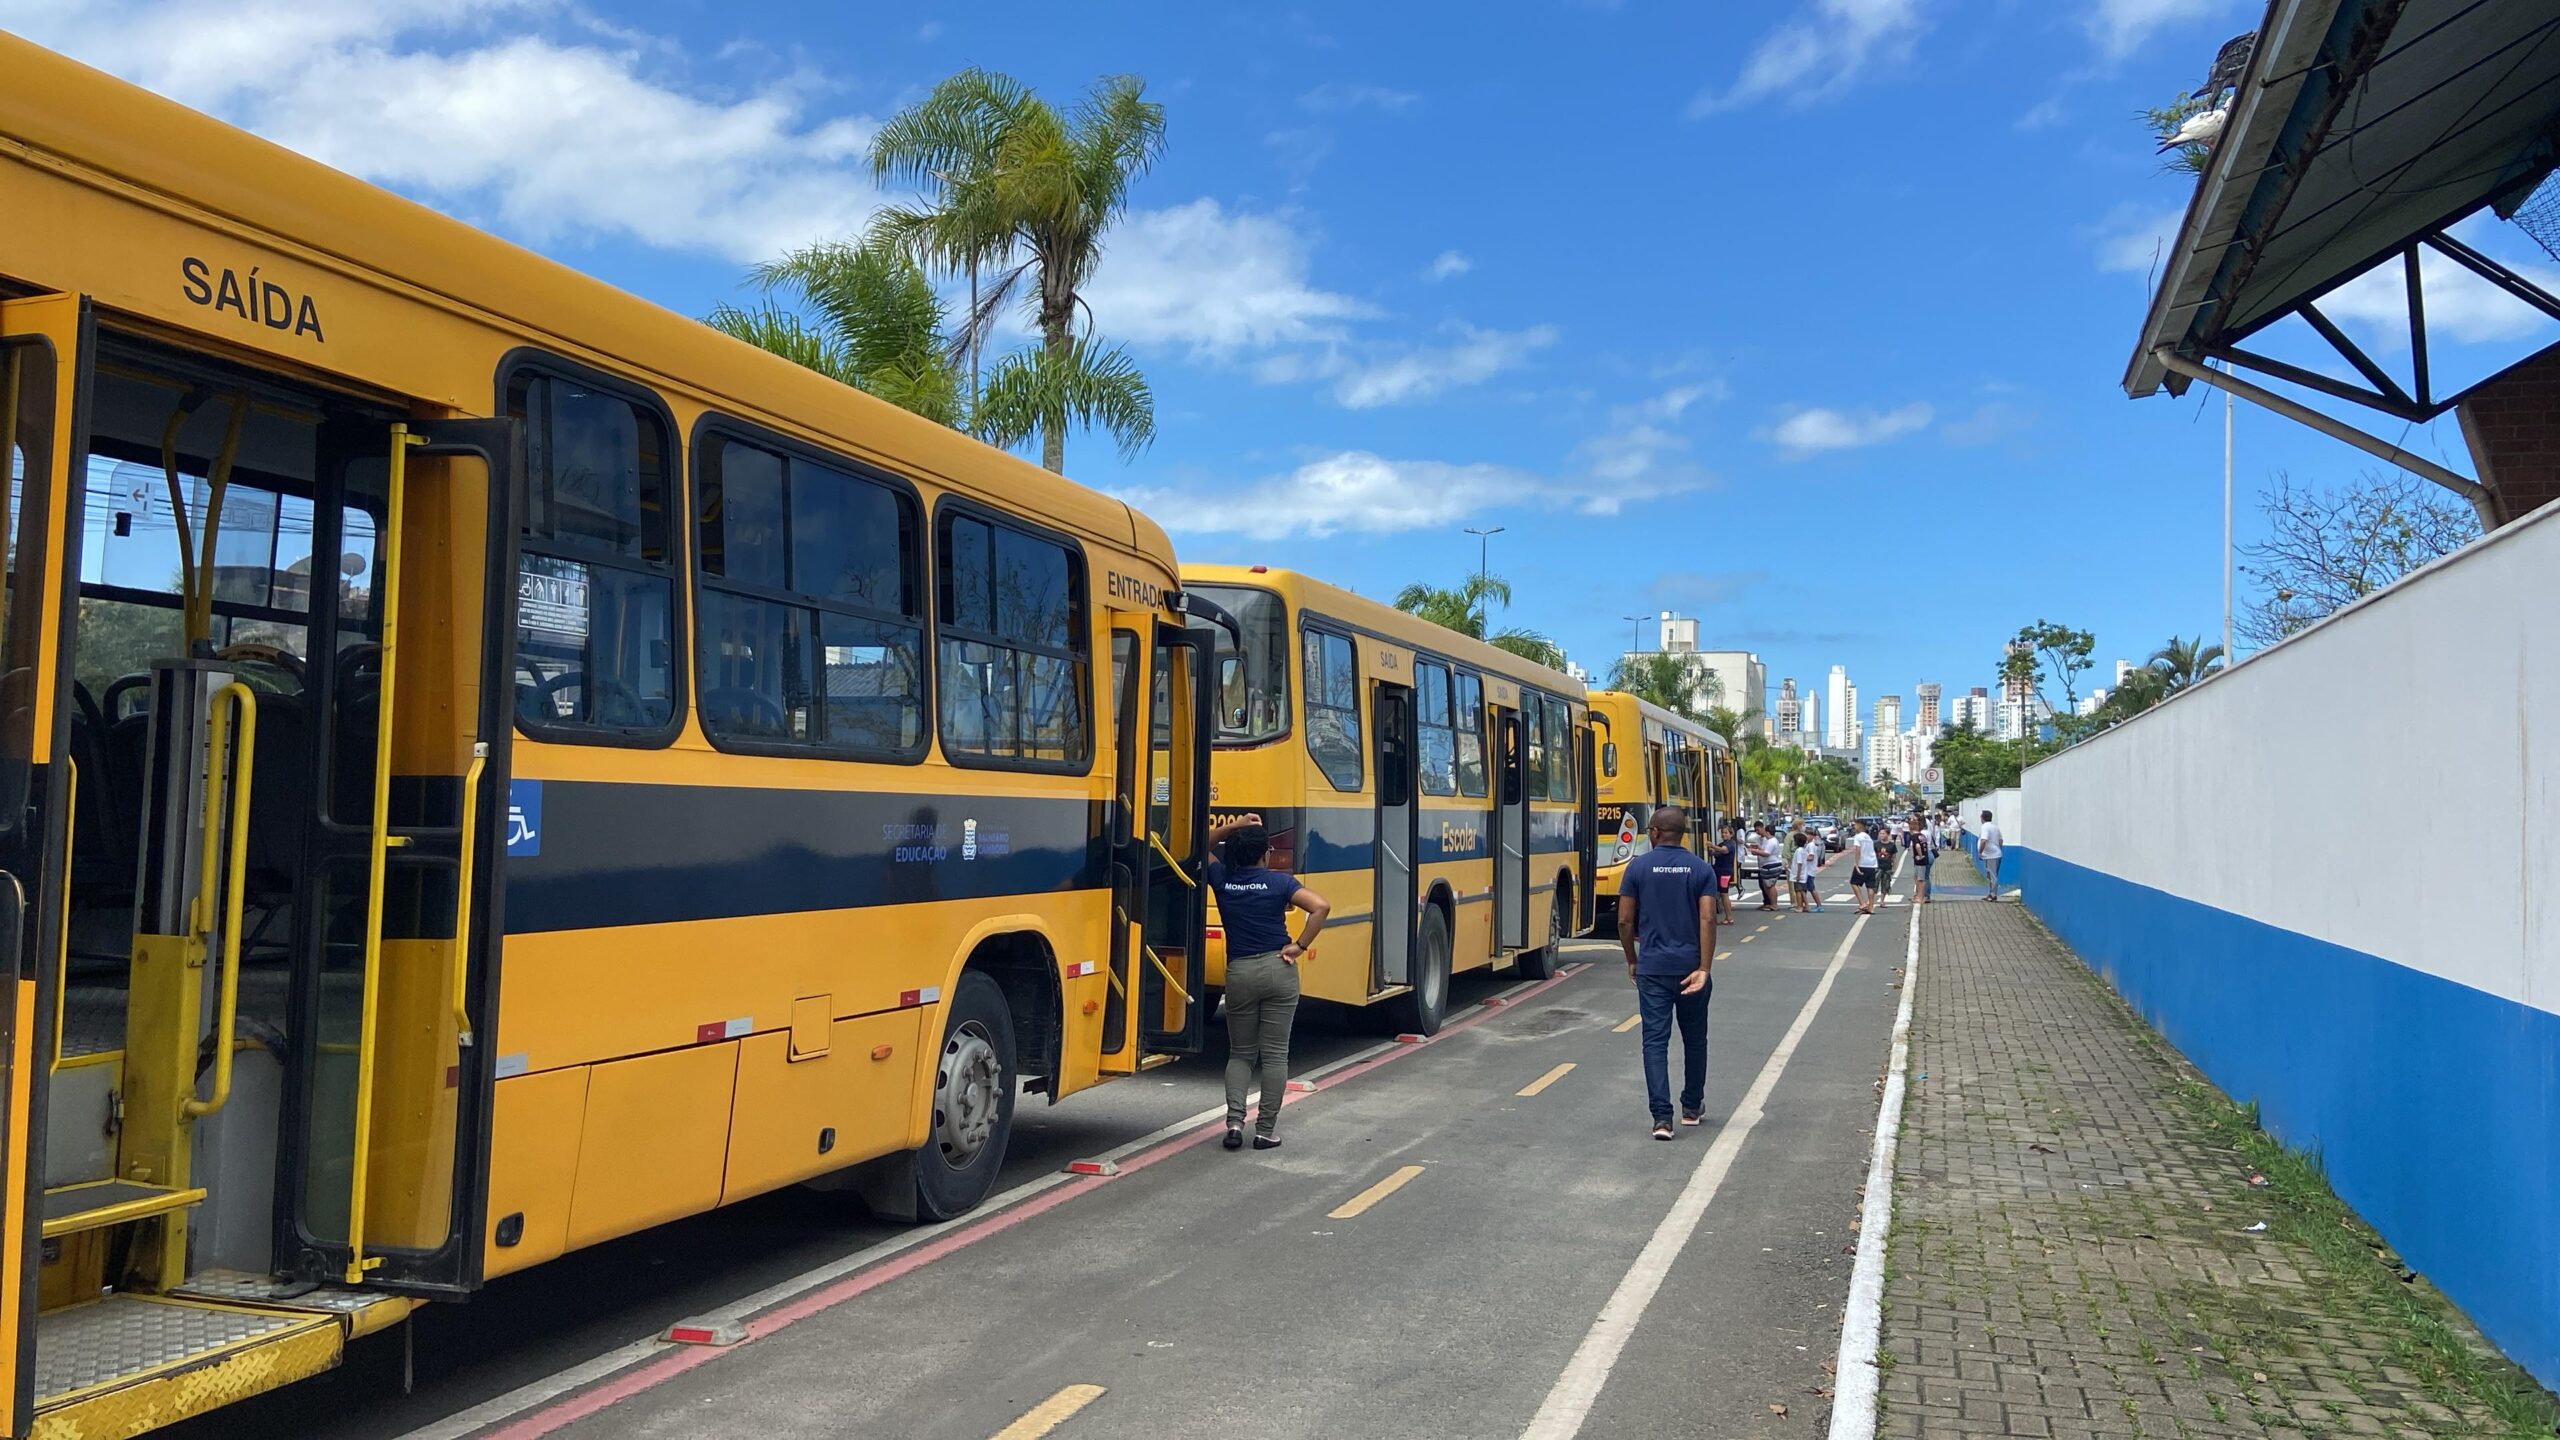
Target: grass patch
pixel 2301 1209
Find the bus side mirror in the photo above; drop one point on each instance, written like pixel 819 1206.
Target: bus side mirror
pixel 1609 758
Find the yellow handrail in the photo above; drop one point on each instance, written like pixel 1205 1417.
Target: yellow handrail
pixel 1158 961
pixel 243 754
pixel 70 835
pixel 1157 845
pixel 388 576
pixel 462 894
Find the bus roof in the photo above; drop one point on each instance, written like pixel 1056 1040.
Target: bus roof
pixel 1667 719
pixel 1307 592
pixel 102 124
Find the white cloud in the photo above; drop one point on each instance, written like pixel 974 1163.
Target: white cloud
pixel 1448 265
pixel 928 32
pixel 1637 446
pixel 1213 279
pixel 1418 374
pixel 2134 240
pixel 1351 491
pixel 1988 422
pixel 2460 305
pixel 2043 115
pixel 1821 53
pixel 1810 432
pixel 552 137
pixel 2121 26
pixel 1629 453
pixel 1336 96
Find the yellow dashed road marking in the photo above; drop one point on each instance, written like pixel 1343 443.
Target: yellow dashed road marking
pixel 1552 1076
pixel 1051 1413
pixel 1359 1204
pixel 1628 1024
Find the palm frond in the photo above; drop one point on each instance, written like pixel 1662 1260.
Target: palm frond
pixel 1043 390
pixel 784 334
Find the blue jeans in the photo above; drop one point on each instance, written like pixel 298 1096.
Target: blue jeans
pixel 1659 1001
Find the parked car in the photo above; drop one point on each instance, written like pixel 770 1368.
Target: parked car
pixel 1827 829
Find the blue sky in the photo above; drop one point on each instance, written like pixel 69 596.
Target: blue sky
pixel 1805 318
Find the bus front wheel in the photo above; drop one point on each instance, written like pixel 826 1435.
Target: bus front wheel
pixel 973 1090
pixel 1422 1009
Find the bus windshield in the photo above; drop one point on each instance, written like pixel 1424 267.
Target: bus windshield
pixel 1253 685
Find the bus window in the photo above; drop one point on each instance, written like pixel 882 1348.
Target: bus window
pixel 1470 725
pixel 1253 685
pixel 1561 782
pixel 816 639
pixel 1012 647
pixel 595 596
pixel 1437 737
pixel 1533 726
pixel 1333 708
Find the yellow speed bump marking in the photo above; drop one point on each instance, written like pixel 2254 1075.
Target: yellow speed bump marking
pixel 1631 1022
pixel 1359 1204
pixel 1763 926
pixel 1552 1076
pixel 1051 1413
pixel 1747 939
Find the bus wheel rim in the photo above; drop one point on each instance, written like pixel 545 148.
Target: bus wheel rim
pixel 968 1094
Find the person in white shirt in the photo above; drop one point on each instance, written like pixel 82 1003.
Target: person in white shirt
pixel 1765 849
pixel 1808 873
pixel 1989 853
pixel 1862 873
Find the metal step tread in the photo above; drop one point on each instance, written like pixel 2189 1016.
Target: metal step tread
pixel 125 1339
pixel 247 1287
pixel 96 1204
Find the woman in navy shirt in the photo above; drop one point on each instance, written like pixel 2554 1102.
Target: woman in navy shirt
pixel 1262 969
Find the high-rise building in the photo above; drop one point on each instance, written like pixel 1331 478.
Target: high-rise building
pixel 1842 708
pixel 1889 714
pixel 2123 668
pixel 1973 708
pixel 2015 689
pixel 1789 712
pixel 1855 733
pixel 1928 693
pixel 1812 721
pixel 1883 752
pixel 1734 679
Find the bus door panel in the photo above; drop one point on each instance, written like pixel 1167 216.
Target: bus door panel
pixel 1586 817
pixel 1173 956
pixel 1511 827
pixel 45 354
pixel 383 1181
pixel 1132 862
pixel 1398 773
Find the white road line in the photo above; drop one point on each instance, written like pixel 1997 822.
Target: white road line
pixel 536 1393
pixel 1578 1389
pixel 1853 1408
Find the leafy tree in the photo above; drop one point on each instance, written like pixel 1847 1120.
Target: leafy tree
pixel 2182 663
pixel 1463 608
pixel 1728 722
pixel 1976 763
pixel 1665 679
pixel 1016 184
pixel 868 317
pixel 2325 549
pixel 2045 649
pixel 2141 689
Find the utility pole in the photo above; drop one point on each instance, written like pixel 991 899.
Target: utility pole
pixel 1484 556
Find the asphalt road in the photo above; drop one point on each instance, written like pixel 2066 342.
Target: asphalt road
pixel 1253 1293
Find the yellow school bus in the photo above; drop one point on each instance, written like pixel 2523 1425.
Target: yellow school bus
pixel 692 778
pixel 1434 788
pixel 1651 757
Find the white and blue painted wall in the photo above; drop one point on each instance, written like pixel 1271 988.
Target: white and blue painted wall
pixel 2008 809
pixel 2331 877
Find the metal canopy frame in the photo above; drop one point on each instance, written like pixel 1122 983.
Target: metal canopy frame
pixel 2417 401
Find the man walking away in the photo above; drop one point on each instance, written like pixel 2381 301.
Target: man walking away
pixel 1767 853
pixel 1862 868
pixel 1990 853
pixel 1667 926
pixel 1262 970
pixel 1923 854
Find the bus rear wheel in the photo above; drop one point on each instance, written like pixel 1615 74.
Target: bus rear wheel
pixel 1424 1008
pixel 973 1090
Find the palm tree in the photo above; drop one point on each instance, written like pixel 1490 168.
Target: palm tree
pixel 875 324
pixel 1019 186
pixel 2184 662
pixel 1728 722
pixel 1463 607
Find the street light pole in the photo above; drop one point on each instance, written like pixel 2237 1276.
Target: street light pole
pixel 1484 557
pixel 1635 640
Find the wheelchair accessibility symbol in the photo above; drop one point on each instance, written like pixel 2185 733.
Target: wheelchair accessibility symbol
pixel 524 818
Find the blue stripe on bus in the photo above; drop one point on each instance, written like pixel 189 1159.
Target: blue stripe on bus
pixel 634 854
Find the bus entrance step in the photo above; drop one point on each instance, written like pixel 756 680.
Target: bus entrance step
pixel 97 1204
pixel 128 1362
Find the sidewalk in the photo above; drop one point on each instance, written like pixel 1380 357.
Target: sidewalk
pixel 2073 1254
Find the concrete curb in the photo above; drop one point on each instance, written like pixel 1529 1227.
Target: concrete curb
pixel 1854 1382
